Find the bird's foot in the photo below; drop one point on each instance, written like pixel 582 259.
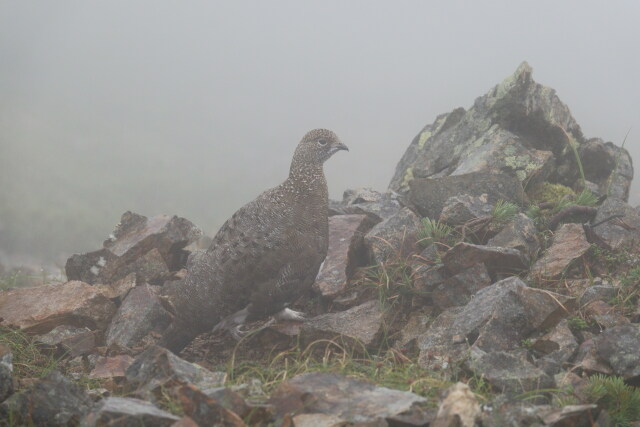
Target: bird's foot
pixel 288 314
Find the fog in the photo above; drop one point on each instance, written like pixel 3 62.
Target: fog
pixel 193 108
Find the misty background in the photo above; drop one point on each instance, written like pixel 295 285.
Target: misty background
pixel 193 108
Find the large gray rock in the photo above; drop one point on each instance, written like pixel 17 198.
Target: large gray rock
pixel 608 166
pixel 378 206
pixel 157 367
pixel 622 233
pixel 345 398
pixel 430 195
pixel 150 247
pixel 618 346
pixel 459 289
pixel 557 347
pixel 70 340
pixel 520 127
pixel 359 326
pixel 508 372
pixel 498 318
pixel 496 259
pixel 53 401
pixel 124 411
pixel 461 209
pixel 569 244
pixel 141 312
pixel 72 303
pixel 394 237
pixel 346 251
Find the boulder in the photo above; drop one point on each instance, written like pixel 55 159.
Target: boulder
pixel 608 166
pixel 459 407
pixel 346 251
pixel 430 195
pixel 557 346
pixel 53 401
pixel 394 237
pixel 463 208
pixel 378 206
pixel 604 314
pixel 126 411
pixel 72 303
pixel 620 233
pixel 157 367
pixel 509 373
pixel 113 367
pixel 360 326
pixel 141 312
pixel 618 347
pixel 150 247
pixel 569 244
pixel 203 409
pixel 459 289
pixel 498 318
pixel 342 397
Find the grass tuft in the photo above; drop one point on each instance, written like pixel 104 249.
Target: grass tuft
pixel 622 401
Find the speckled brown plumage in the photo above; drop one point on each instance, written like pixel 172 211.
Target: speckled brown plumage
pixel 266 255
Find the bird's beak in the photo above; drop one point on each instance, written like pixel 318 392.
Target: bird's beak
pixel 340 146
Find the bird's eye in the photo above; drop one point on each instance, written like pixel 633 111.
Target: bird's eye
pixel 322 142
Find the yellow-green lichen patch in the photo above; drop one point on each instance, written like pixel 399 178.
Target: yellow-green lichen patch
pixel 408 176
pixel 423 139
pixel 547 192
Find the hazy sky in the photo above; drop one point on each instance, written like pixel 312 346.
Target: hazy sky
pixel 213 96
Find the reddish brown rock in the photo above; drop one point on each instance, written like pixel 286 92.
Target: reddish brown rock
pixel 604 314
pixel 69 340
pixel 71 303
pixel 459 289
pixel 111 367
pixel 118 289
pixel 203 409
pixel 569 244
pixel 464 255
pixel 346 251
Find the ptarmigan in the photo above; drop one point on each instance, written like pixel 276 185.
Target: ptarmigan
pixel 265 256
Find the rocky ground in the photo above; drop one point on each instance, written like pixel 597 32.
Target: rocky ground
pixel 495 283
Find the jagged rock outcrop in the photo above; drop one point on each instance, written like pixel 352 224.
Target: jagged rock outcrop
pixel 519 127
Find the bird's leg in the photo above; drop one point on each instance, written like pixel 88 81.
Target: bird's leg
pixel 288 314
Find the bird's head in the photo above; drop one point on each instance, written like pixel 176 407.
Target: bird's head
pixel 317 146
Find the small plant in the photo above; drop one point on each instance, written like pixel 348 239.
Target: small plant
pixel 393 280
pixel 504 211
pixel 527 343
pixel 434 232
pixel 586 198
pixel 578 324
pixel 622 401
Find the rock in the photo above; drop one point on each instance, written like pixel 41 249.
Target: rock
pixel 394 237
pixel 604 314
pixel 229 399
pixel 571 415
pixel 339 396
pixel 72 303
pixel 618 346
pixel 519 126
pixel 508 373
pixel 125 411
pixel 141 312
pixel 622 233
pixel 346 251
pixel 53 401
pixel 378 206
pixel 498 318
pixel 146 246
pixel 6 370
pixel 111 367
pixel 608 166
pixel 117 290
pixel 317 420
pixel 463 208
pixel 459 289
pixel 496 259
pixel 203 409
pixel 588 361
pixel 598 292
pixel 70 340
pixel 359 326
pixel 430 195
pixel 460 407
pixel 416 326
pixel 569 244
pixel 157 367
pixel 558 346
pixel 520 234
